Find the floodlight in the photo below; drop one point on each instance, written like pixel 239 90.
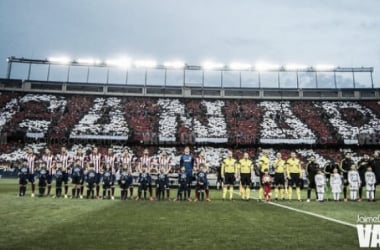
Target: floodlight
pixel 261 66
pixel 240 66
pixel 174 64
pixel 323 67
pixel 296 67
pixel 88 61
pixel 62 60
pixel 121 62
pixel 212 65
pixel 145 63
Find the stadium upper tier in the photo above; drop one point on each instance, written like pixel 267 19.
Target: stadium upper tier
pixel 200 121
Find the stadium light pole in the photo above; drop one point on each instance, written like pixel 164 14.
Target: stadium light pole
pixel 29 71
pixel 48 73
pixel 126 76
pixel 88 74
pixel 9 70
pixel 259 76
pixel 316 79
pixel 278 79
pixel 68 73
pixel 353 79
pixel 240 79
pixel 335 85
pixel 372 80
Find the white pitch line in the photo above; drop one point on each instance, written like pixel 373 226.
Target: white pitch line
pixel 308 213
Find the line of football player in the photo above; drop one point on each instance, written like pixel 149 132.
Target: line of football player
pixel 146 173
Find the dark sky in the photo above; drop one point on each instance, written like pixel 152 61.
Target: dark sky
pixel 344 33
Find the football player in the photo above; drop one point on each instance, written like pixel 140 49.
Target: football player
pixel 77 175
pixel 320 183
pixel 336 184
pixel 91 179
pixel 23 175
pixel 162 183
pixel 42 179
pixel 31 158
pixel 312 168
pixel 187 161
pixel 345 166
pixel 144 182
pixel 202 183
pixel 370 180
pixel 48 159
pixel 182 184
pixel 354 182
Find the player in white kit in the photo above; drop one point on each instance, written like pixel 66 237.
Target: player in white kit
pixel 354 182
pixel 320 183
pixel 336 184
pixel 370 180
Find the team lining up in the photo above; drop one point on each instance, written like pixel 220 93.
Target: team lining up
pixel 96 170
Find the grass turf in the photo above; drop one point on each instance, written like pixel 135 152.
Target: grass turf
pixel 46 223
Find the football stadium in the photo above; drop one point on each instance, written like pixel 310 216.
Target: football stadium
pixel 133 153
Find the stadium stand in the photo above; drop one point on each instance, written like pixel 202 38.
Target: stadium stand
pixel 311 127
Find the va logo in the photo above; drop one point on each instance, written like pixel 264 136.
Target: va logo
pixel 369 235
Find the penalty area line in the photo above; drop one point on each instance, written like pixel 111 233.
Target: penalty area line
pixel 308 213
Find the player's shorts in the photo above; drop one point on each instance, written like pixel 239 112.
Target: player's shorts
pixel 77 180
pixel 229 179
pixel 42 181
pixel 58 182
pixel 202 186
pixel 106 185
pixel 279 179
pixel 49 178
pixel 65 178
pixel 31 178
pixel 23 180
pixel 295 180
pixel 312 182
pixel 245 179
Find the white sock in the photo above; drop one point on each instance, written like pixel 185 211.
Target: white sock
pixel 321 196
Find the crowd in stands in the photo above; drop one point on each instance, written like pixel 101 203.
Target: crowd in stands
pixel 175 122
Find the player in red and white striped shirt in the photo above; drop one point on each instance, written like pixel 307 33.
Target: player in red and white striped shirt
pixel 49 161
pixel 95 158
pixel 164 162
pixel 146 160
pixel 31 158
pixel 65 160
pixel 110 160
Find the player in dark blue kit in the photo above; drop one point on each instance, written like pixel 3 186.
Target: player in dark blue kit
pixel 182 184
pixel 42 180
pixel 23 175
pixel 91 179
pixel 125 183
pixel 162 183
pixel 187 161
pixel 107 179
pixel 77 176
pixel 58 180
pixel 144 182
pixel 202 183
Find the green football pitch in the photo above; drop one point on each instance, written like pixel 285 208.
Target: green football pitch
pixel 46 223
